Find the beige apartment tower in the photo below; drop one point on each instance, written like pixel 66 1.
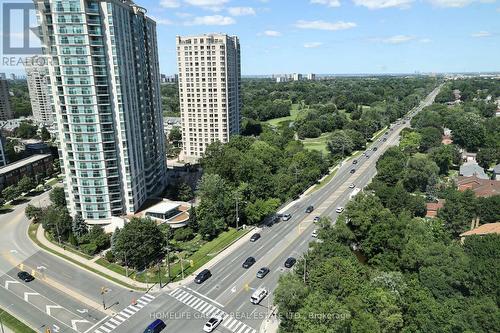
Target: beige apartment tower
pixel 209 90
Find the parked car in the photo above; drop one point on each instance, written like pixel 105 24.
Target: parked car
pixel 249 262
pixel 384 139
pixel 375 148
pixel 255 237
pixel 315 233
pixel 339 209
pixel 352 171
pixel 316 219
pixel 25 276
pixel 352 185
pixel 202 276
pixel 287 216
pixel 156 326
pixel 262 272
pixel 290 262
pixel 212 323
pixel 355 162
pixel 309 209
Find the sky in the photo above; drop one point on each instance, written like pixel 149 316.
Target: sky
pixel 339 36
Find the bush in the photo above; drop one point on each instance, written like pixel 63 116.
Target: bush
pixel 110 256
pixel 183 234
pixel 89 248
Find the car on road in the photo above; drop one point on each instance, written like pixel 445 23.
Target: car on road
pixel 309 209
pixel 315 233
pixel 339 209
pixel 290 262
pixel 386 133
pixel 352 171
pixel 212 323
pixel 25 276
pixel 384 139
pixel 156 326
pixel 202 276
pixel 375 148
pixel 287 216
pixel 355 162
pixel 262 272
pixel 255 237
pixel 352 185
pixel 367 156
pixel 249 262
pixel 258 295
pixel 316 219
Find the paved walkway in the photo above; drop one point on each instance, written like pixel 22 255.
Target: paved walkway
pixel 40 235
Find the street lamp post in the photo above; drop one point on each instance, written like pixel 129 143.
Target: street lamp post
pixel 237 214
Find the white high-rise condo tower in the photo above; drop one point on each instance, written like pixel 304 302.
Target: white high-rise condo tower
pixel 36 75
pixel 209 90
pixel 104 81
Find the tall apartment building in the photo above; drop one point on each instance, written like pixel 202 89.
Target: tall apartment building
pixel 209 90
pixel 5 110
pixel 37 77
pixel 3 158
pixel 104 81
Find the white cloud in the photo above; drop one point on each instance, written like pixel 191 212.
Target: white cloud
pixel 329 3
pixel 425 40
pixel 211 20
pixel 322 25
pixel 378 4
pixel 183 14
pixel 397 39
pixel 170 3
pixel 271 33
pixel 312 45
pixel 481 34
pixel 241 11
pixel 215 5
pixel 456 3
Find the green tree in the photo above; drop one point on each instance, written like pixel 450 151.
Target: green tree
pixel 79 227
pixel 58 197
pixel 431 137
pixel 410 142
pixel 26 184
pixel 33 213
pixel 340 144
pixel 185 193
pixel 26 130
pixel 11 192
pixel 458 211
pixel 44 134
pixel 57 221
pixel 140 241
pixel 468 131
pixel 418 172
pixel 175 135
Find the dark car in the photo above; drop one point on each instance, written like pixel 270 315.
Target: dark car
pixel 156 326
pixel 375 148
pixel 25 276
pixel 309 209
pixel 202 276
pixel 290 262
pixel 262 272
pixel 249 262
pixel 355 162
pixel 254 237
pixel 352 171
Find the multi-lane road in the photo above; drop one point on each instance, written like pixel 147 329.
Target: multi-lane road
pixel 66 298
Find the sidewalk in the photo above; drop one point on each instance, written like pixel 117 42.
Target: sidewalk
pixel 91 266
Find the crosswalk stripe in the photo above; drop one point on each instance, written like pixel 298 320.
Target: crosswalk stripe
pixel 105 329
pixel 248 330
pixel 119 318
pixel 110 325
pixel 199 305
pixel 142 302
pixel 138 305
pixel 175 291
pixel 196 302
pixel 114 321
pixel 202 307
pixel 148 297
pixel 209 310
pixel 226 323
pixel 97 331
pixel 242 328
pixel 238 324
pixel 192 301
pixel 182 293
pixel 134 308
pixel 185 299
pixel 126 310
pixel 126 315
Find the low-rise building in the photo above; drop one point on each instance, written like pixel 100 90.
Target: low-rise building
pixel 469 169
pixel 480 187
pixel 173 213
pixel 496 172
pixel 36 167
pixel 481 230
pixel 433 207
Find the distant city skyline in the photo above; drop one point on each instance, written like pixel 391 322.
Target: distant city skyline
pixel 338 36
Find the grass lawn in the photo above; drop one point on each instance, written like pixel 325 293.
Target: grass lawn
pixel 67 247
pixel 293 114
pixel 14 324
pixel 317 143
pixel 378 134
pixel 195 253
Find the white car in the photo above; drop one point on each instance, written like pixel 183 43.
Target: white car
pixel 339 209
pixel 315 233
pixel 316 219
pixel 352 185
pixel 258 295
pixel 212 323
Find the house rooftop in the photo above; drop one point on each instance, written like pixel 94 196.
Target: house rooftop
pixel 469 169
pixel 485 229
pixel 480 187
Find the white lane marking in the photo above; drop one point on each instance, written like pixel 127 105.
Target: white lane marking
pixel 114 321
pixel 107 330
pixel 141 302
pixel 208 298
pixel 119 318
pixel 100 321
pixel 48 308
pixel 110 325
pixel 196 302
pixel 236 327
pixel 226 323
pixel 202 307
pixel 27 295
pixel 148 297
pixel 10 282
pixel 225 277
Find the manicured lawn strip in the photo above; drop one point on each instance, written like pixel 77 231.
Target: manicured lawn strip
pixel 293 115
pixel 68 247
pixel 317 143
pixel 32 235
pixel 378 134
pixel 325 181
pixel 14 324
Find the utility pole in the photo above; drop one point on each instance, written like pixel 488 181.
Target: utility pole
pixel 168 254
pixel 237 213
pixel 182 267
